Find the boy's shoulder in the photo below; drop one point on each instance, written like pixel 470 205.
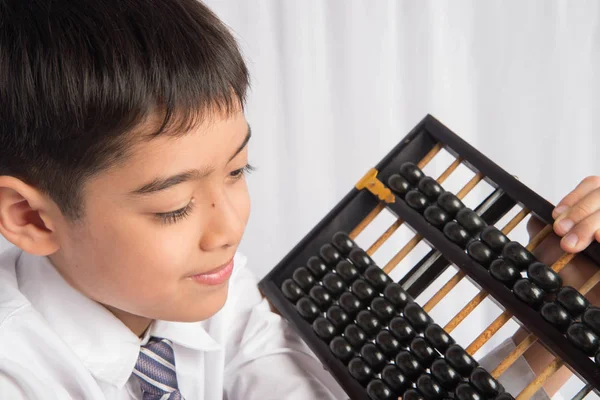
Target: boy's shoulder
pixel 12 301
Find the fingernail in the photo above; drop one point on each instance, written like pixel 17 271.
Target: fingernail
pixel 560 210
pixel 570 240
pixel 565 225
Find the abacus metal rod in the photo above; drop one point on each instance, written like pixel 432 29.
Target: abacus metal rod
pixel 417 238
pixel 522 347
pixel 539 381
pixel 455 280
pixel 583 392
pixel 398 223
pixel 375 212
pixel 506 316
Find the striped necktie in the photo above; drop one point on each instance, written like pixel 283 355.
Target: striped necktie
pixel 155 369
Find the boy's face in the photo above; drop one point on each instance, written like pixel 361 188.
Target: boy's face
pixel 156 224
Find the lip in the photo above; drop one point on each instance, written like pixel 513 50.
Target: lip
pixel 216 276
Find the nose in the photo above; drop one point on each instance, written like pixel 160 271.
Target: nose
pixel 225 224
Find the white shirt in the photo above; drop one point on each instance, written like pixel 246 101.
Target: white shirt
pixel 55 343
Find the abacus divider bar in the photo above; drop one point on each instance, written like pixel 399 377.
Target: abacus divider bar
pixel 398 223
pixel 375 212
pixel 522 347
pixel 539 381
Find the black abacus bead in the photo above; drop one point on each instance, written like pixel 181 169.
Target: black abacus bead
pixel 360 370
pixel 347 271
pixel 324 328
pixel 460 360
pixel 343 243
pixel 376 277
pixel 416 200
pixel 338 317
pixel 591 317
pixel 402 330
pixel 597 358
pixel 350 303
pixel 303 278
pixel 529 293
pixel 464 391
pixel 388 343
pixel 544 277
pixel 377 390
pixel 291 290
pixel 505 272
pixel 436 216
pixel 373 356
pixel 494 238
pixel 360 259
pixel 307 308
pixel 583 338
pixel 450 203
pixel 411 172
pixel 334 283
pixel 412 394
pixel 423 351
pixel 340 348
pixel 368 322
pixel 457 234
pixel 330 254
pixel 572 301
pixel 409 365
pixel 518 255
pixel 321 296
pixel 399 185
pixel 480 252
pixel 470 220
pixel 445 374
pixel 430 187
pixel 382 308
pixel 317 267
pixel 363 290
pixel 397 296
pixel 504 396
pixel 484 383
pixel 430 388
pixel 556 315
pixel 438 338
pixel 355 336
pixel 395 378
pixel 417 317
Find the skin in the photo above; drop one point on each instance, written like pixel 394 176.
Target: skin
pixel 122 254
pixel 577 225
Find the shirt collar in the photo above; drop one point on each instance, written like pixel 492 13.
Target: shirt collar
pixel 104 344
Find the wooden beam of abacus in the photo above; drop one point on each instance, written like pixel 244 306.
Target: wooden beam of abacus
pixel 417 238
pixel 522 347
pixel 398 223
pixel 455 280
pixel 375 212
pixel 539 381
pixel 506 316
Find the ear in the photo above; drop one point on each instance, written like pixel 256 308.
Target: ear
pixel 26 217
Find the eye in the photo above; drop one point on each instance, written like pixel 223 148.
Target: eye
pixel 173 217
pixel 239 173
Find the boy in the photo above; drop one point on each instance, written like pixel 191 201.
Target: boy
pixel 123 148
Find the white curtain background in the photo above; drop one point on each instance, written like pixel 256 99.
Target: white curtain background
pixel 337 83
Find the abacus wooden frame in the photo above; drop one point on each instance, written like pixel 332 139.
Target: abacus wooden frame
pixel 357 204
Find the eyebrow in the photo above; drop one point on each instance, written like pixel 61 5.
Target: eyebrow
pixel 159 184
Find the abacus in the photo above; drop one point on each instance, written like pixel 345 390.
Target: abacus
pixel 371 333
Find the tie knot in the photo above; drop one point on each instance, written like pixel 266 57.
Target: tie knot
pixel 155 369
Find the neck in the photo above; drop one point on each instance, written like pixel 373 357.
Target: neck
pixel 135 323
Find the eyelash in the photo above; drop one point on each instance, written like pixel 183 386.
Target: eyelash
pixel 173 217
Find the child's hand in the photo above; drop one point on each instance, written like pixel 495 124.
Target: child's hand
pixel 577 216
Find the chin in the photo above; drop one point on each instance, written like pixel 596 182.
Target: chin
pixel 204 308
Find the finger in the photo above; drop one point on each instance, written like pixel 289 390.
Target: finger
pixel 585 186
pixel 582 234
pixel 578 212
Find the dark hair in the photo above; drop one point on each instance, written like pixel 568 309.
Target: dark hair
pixel 76 76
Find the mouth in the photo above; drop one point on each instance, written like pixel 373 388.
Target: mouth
pixel 215 276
